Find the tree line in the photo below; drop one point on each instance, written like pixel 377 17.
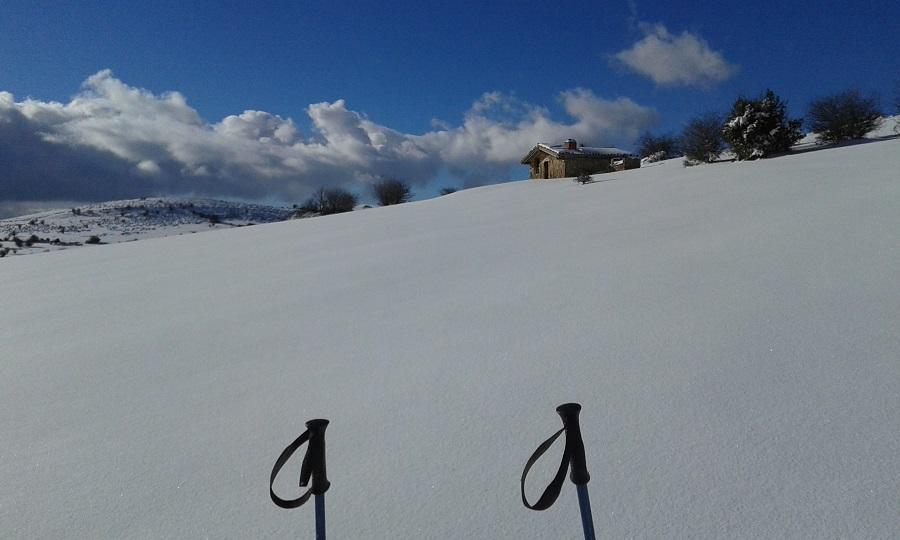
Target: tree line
pixel 335 200
pixel 760 127
pixel 754 128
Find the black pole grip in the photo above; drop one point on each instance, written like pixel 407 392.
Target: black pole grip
pixel 573 456
pixel 314 461
pixel 574 445
pixel 312 467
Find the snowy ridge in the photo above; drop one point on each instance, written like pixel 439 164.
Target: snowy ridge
pixel 128 220
pixel 730 329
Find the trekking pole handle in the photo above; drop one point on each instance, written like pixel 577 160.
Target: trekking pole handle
pixel 578 472
pixel 314 461
pixel 312 468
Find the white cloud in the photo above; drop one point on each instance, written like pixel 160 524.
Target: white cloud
pixel 148 167
pixel 260 126
pixel 676 60
pixel 112 141
pixel 499 129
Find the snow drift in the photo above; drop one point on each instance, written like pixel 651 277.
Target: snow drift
pixel 730 329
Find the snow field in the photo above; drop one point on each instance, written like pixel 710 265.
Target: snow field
pixel 730 329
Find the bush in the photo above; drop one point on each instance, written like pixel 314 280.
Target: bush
pixel 308 207
pixel 583 178
pixel 659 147
pixel 702 138
pixel 93 240
pixel 391 191
pixel 843 116
pixel 329 201
pixel 448 190
pixel 759 128
pixel 897 108
pixel 897 97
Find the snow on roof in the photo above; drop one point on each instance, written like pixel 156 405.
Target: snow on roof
pixel 560 151
pixel 585 150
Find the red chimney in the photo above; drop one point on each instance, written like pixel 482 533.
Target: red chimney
pixel 570 144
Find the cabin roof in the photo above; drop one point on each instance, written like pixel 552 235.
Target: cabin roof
pixel 560 151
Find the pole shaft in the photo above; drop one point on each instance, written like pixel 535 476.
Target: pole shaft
pixel 587 520
pixel 320 517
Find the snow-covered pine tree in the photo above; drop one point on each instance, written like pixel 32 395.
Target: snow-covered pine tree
pixel 759 128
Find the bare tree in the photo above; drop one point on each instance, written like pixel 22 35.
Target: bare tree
pixel 391 191
pixel 329 201
pixel 702 138
pixel 661 146
pixel 897 98
pixel 843 116
pixel 897 107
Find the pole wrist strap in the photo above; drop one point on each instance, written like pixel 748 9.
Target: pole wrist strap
pixel 552 491
pixel 305 472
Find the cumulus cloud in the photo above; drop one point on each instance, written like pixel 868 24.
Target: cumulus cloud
pixel 498 129
pixel 675 60
pixel 115 141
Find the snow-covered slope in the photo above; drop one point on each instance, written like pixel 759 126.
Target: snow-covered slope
pixel 128 220
pixel 731 330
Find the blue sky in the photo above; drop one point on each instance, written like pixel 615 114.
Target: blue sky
pixel 438 93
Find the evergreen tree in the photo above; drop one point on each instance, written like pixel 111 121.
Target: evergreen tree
pixel 759 128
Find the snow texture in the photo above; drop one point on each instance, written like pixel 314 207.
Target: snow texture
pixel 731 330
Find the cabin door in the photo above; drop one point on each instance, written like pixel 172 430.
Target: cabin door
pixel 545 170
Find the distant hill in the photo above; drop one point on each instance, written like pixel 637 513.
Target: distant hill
pixel 128 220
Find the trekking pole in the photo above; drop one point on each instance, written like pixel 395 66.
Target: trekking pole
pixel 312 468
pixel 572 455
